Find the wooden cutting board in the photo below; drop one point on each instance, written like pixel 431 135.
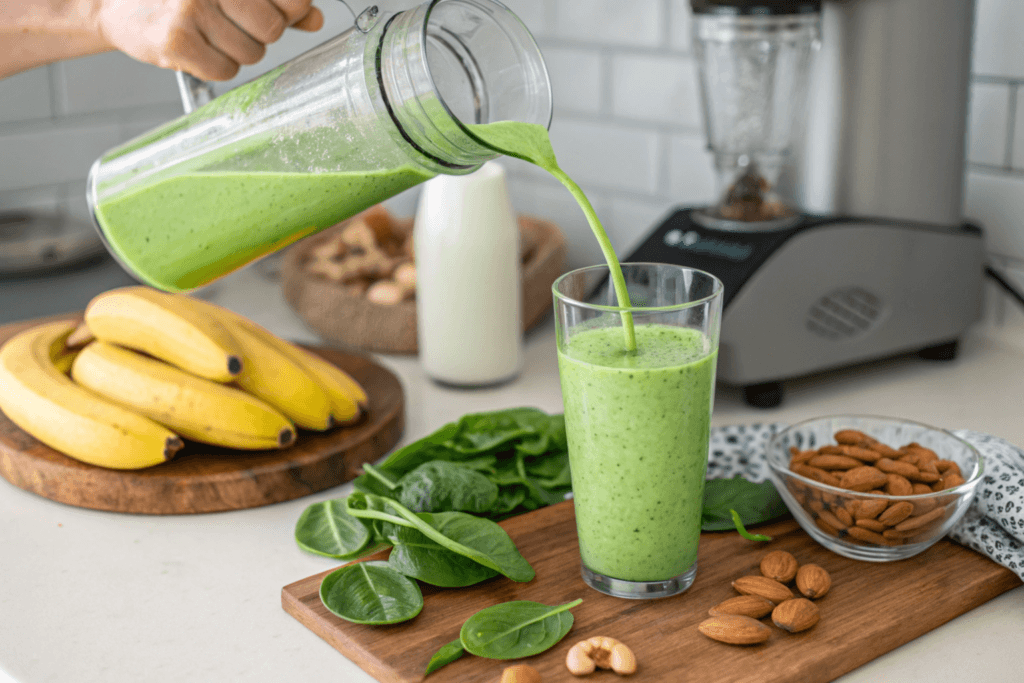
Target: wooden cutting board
pixel 871 609
pixel 205 478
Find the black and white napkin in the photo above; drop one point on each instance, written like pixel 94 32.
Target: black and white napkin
pixel 993 525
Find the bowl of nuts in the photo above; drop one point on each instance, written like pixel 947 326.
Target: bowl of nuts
pixel 354 284
pixel 874 488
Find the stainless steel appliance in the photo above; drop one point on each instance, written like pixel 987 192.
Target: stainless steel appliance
pixel 839 233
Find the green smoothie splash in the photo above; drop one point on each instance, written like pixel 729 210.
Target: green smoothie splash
pixel 530 142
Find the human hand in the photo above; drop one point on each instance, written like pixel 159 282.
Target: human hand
pixel 209 39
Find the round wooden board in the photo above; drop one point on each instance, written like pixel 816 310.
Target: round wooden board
pixel 210 479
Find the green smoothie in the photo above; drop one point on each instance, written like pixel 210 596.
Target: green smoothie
pixel 637 427
pixel 185 231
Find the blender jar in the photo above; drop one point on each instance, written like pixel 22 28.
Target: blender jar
pixel 356 120
pixel 753 59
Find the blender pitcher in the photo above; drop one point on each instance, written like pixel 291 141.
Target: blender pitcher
pixel 753 59
pixel 360 118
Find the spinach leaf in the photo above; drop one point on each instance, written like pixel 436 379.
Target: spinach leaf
pixel 743 530
pixel 550 471
pixel 431 447
pixel 387 482
pixel 535 490
pixel 512 630
pixel 446 655
pixel 370 593
pixel 327 529
pixel 419 557
pixel 367 483
pixel 482 432
pixel 755 503
pixel 477 538
pixel 509 498
pixel 441 486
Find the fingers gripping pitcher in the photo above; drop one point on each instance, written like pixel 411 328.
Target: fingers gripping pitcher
pixel 356 120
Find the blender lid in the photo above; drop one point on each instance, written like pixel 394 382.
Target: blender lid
pixel 759 7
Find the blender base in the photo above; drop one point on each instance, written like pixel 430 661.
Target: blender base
pixel 829 292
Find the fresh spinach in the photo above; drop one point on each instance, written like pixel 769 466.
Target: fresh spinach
pixel 448 653
pixel 512 630
pixel 479 539
pixel 442 486
pixel 509 498
pixel 325 528
pixel 370 593
pixel 755 503
pixel 418 557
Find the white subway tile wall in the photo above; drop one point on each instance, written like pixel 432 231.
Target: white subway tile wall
pixel 627 119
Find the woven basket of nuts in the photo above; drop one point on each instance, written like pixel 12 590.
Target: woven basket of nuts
pixel 354 284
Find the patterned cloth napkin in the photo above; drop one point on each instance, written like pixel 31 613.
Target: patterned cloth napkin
pixel 993 525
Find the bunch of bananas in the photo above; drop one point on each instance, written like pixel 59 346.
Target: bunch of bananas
pixel 147 369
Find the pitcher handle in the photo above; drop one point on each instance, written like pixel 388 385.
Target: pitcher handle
pixel 196 92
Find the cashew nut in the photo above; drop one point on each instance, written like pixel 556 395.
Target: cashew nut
pixel 600 652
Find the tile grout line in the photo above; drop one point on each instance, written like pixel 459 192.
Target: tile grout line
pixel 1011 123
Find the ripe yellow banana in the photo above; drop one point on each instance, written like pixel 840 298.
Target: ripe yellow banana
pixel 166 327
pixel 196 408
pixel 274 377
pixel 44 402
pixel 348 399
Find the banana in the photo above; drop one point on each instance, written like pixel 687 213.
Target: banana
pixel 166 327
pixel 62 360
pixel 44 402
pixel 347 397
pixel 274 377
pixel 198 409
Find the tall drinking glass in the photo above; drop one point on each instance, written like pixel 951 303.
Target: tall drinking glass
pixel 638 422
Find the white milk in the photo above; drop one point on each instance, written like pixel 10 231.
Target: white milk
pixel 468 292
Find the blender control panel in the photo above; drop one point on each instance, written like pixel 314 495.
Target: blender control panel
pixel 731 256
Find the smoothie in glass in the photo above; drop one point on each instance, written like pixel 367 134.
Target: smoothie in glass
pixel 637 426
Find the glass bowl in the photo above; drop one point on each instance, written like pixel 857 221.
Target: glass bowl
pixel 873 524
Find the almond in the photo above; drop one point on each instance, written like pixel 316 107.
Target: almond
pixel 853 437
pixel 951 479
pixel 870 508
pixel 796 615
pixel 770 589
pixel 898 485
pixel 864 478
pixel 834 462
pixel 943 466
pixel 871 525
pixel 520 673
pixel 896 513
pixel 829 518
pixel 844 515
pixel 753 606
pixel 813 581
pixel 866 535
pixel 890 466
pixel 912 523
pixel 735 629
pixel 779 565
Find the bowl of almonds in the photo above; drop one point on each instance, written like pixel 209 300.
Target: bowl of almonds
pixel 874 488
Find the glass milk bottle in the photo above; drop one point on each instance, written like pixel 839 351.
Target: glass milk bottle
pixel 468 292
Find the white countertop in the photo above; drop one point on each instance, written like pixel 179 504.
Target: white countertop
pixel 90 596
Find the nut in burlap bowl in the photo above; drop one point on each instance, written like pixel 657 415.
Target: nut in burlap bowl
pixel 874 488
pixel 345 316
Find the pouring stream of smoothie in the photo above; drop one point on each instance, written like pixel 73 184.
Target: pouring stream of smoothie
pixel 530 142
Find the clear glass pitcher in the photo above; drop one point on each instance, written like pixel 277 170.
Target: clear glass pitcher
pixel 754 61
pixel 354 121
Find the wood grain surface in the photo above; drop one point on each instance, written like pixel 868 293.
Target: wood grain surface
pixel 870 610
pixel 205 478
